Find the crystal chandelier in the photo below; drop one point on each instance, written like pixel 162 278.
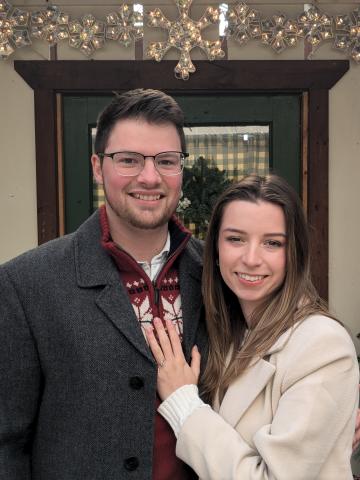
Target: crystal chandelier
pixel 279 33
pixel 125 26
pixel 184 34
pixel 87 36
pixel 315 27
pixel 243 23
pixel 14 31
pixel 348 39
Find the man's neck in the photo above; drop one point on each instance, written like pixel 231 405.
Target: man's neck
pixel 141 244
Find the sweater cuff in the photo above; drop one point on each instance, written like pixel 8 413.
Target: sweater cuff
pixel 180 405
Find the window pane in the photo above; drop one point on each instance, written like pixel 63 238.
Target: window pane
pixel 238 150
pixel 218 155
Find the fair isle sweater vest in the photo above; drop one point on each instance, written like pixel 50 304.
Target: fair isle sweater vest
pixel 161 299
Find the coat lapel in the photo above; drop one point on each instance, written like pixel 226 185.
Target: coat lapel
pixel 190 271
pixel 113 300
pixel 95 268
pixel 243 391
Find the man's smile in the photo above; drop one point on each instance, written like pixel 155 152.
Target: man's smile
pixel 146 197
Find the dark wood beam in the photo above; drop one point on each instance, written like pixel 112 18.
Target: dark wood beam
pixel 230 75
pixel 318 186
pixel 46 164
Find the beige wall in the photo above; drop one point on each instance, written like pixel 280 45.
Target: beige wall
pixel 17 179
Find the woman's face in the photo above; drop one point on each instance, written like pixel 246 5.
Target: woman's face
pixel 252 251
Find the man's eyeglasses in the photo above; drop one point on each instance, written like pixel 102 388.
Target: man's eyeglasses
pixel 130 164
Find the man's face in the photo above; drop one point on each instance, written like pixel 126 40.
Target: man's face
pixel 148 200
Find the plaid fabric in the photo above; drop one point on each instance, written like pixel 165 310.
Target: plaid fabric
pixel 98 195
pixel 230 152
pixel 226 151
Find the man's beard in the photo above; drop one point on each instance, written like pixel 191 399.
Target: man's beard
pixel 145 220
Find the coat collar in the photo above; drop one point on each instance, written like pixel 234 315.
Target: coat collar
pixel 244 390
pixel 94 267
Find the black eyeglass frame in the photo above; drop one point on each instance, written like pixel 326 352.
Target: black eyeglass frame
pixel 184 155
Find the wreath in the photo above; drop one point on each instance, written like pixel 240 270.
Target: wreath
pixel 202 185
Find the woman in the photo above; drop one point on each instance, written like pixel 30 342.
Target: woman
pixel 281 374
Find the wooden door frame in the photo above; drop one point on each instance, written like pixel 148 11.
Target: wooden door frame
pixel 313 78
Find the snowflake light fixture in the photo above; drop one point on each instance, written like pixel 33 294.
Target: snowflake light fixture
pixel 315 27
pixel 50 25
pixel 184 34
pixel 14 31
pixel 279 33
pixel 243 23
pixel 87 36
pixel 348 39
pixel 5 7
pixel 125 26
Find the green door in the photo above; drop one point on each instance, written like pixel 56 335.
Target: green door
pixel 281 113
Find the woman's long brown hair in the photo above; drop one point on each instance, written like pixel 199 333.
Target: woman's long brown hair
pixel 292 302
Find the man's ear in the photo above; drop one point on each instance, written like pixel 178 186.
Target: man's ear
pixel 96 168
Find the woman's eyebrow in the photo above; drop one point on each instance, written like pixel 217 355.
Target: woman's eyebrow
pixel 271 234
pixel 275 234
pixel 234 231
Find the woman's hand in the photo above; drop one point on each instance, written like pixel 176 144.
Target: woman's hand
pixel 174 371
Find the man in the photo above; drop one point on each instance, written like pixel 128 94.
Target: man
pixel 77 379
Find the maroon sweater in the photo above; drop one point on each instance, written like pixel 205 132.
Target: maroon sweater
pixel 160 299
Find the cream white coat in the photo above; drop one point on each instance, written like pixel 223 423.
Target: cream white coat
pixel 291 416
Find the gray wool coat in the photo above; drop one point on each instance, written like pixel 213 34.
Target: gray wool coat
pixel 77 380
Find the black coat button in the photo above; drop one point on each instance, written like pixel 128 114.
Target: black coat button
pixel 136 382
pixel 131 463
